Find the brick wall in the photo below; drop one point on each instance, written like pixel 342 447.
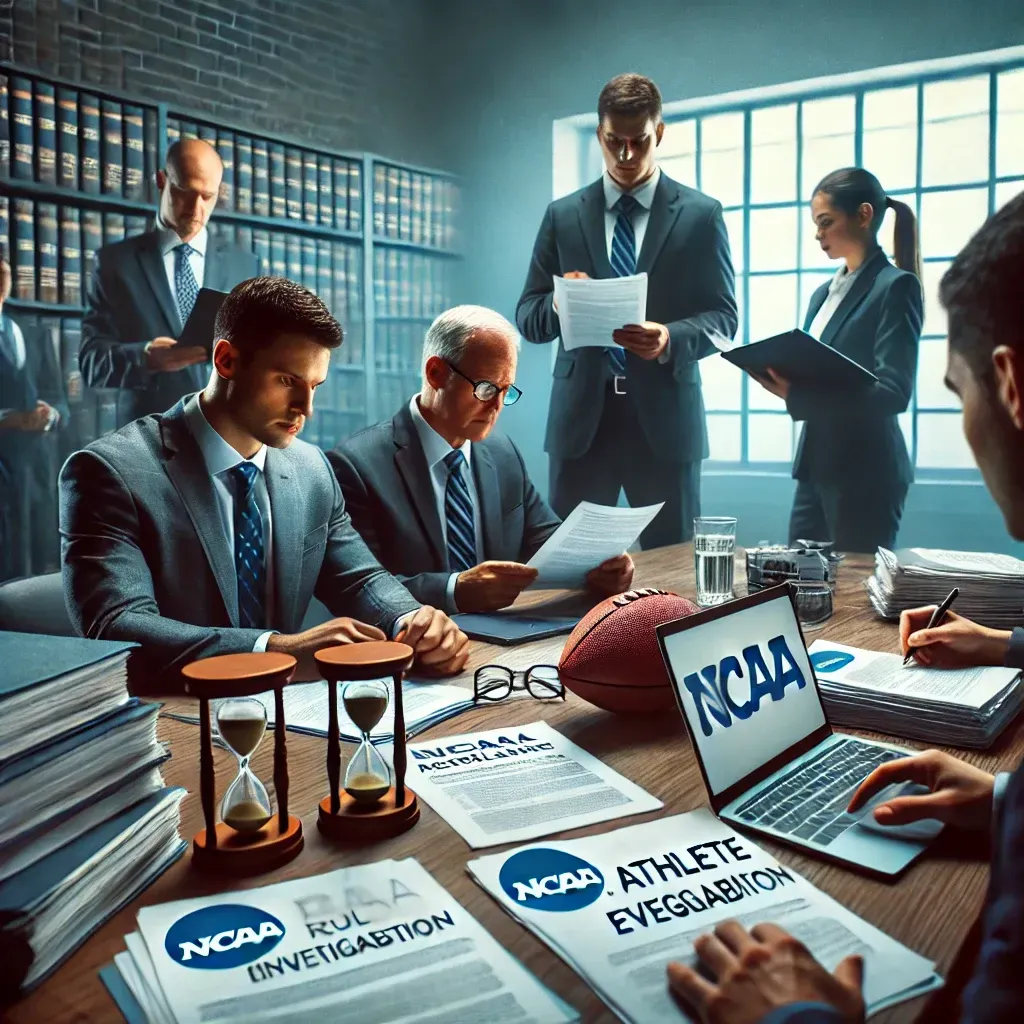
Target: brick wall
pixel 349 74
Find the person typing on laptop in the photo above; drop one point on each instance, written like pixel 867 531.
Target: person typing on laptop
pixel 765 976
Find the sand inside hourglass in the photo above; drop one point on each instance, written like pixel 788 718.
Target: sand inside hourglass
pixel 366 708
pixel 242 730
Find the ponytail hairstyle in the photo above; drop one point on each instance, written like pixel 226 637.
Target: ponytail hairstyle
pixel 850 187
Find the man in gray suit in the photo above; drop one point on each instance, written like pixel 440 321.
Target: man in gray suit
pixel 632 416
pixel 436 462
pixel 208 529
pixel 143 289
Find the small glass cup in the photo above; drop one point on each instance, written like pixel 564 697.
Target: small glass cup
pixel 813 600
pixel 714 552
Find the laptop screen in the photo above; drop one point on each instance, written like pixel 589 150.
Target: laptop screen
pixel 744 683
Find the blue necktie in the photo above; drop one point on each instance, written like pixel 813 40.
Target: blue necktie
pixel 458 512
pixel 249 567
pixel 623 261
pixel 185 287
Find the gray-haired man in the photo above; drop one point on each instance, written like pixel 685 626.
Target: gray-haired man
pixel 444 506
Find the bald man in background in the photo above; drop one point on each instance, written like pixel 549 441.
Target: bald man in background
pixel 144 288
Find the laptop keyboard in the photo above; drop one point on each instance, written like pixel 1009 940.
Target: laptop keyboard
pixel 810 802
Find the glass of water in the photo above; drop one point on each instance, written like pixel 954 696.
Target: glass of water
pixel 714 551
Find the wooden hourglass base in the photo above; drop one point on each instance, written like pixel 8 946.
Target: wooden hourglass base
pixel 252 854
pixel 368 823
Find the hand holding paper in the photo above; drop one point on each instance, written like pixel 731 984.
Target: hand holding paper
pixel 590 311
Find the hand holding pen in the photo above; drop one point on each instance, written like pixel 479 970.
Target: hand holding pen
pixel 939 638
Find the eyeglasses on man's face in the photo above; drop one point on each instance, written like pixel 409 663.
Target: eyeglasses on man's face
pixel 487 391
pixel 496 682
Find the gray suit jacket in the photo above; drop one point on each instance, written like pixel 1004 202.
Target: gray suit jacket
pixel 144 557
pixel 130 303
pixel 386 483
pixel 690 289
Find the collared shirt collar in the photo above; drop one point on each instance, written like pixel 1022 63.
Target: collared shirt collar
pixel 435 447
pixel 218 455
pixel 170 240
pixel 644 194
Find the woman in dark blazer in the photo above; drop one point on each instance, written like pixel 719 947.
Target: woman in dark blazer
pixel 852 467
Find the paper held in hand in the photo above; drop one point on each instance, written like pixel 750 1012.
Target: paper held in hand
pixel 588 536
pixel 589 310
pixel 631 900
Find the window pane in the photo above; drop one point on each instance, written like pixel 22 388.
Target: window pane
pixel 811 255
pixel 722 383
pixel 948 219
pixel 934 314
pixel 760 398
pixel 773 306
pixel 724 438
pixel 931 371
pixel 808 284
pixel 773 239
pixel 907 426
pixel 734 228
pixel 721 155
pixel 680 139
pixel 827 129
pixel 773 155
pixel 889 143
pixel 770 438
pixel 1007 190
pixel 956 144
pixel 940 442
pixel 1010 123
pixel 682 168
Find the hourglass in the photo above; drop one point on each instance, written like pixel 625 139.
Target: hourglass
pixel 367 807
pixel 242 724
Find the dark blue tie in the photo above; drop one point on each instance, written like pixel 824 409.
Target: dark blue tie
pixel 249 567
pixel 185 284
pixel 623 261
pixel 458 512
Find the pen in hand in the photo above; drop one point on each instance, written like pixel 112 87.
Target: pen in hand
pixel 937 616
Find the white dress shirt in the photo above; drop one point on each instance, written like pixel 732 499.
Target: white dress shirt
pixel 838 288
pixel 220 459
pixel 169 241
pixel 436 448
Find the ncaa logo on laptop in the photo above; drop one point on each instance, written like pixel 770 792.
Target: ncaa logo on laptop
pixel 544 879
pixel 224 936
pixel 830 661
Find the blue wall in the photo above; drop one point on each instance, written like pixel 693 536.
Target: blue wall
pixel 509 69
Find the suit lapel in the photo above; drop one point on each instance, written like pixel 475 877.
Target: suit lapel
pixel 860 287
pixel 817 301
pixel 412 467
pixel 664 211
pixel 488 493
pixel 152 262
pixel 187 472
pixel 286 509
pixel 591 212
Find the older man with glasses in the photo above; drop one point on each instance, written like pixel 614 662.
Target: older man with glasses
pixel 443 505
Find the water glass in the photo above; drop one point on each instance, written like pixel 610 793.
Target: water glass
pixel 813 603
pixel 714 551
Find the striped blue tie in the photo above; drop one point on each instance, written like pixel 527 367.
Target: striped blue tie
pixel 249 567
pixel 458 512
pixel 185 285
pixel 623 261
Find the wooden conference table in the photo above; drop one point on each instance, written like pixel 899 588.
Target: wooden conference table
pixel 931 909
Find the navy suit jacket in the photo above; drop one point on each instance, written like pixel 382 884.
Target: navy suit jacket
pixel 856 437
pixel 385 479
pixel 690 289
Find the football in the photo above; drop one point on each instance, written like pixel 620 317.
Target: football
pixel 612 658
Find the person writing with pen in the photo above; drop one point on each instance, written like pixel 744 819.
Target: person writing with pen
pixel 765 976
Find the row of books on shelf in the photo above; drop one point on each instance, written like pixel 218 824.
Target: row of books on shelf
pixel 415 206
pixel 398 347
pixel 62 136
pixel 410 284
pixel 395 389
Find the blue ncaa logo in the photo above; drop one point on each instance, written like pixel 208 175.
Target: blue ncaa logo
pixel 830 661
pixel 227 935
pixel 543 879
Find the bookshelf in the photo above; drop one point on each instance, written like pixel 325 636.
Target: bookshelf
pixel 376 239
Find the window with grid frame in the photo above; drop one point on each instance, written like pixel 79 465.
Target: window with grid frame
pixel 951 145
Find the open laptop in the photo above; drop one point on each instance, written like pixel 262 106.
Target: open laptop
pixel 769 758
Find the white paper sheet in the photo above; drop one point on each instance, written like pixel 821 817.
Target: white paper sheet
pixel 589 310
pixel 633 899
pixel 588 536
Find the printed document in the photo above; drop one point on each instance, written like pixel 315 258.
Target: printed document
pixel 589 310
pixel 379 942
pixel 633 899
pixel 588 536
pixel 507 785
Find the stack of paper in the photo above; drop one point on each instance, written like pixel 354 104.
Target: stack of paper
pixel 966 707
pixel 631 900
pixel 379 942
pixel 991 586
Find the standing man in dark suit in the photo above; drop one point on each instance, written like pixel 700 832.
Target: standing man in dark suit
pixel 436 462
pixel 633 417
pixel 143 289
pixel 768 977
pixel 208 529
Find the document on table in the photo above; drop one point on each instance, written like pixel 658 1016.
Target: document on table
pixel 633 899
pixel 589 310
pixel 507 785
pixel 588 536
pixel 380 942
